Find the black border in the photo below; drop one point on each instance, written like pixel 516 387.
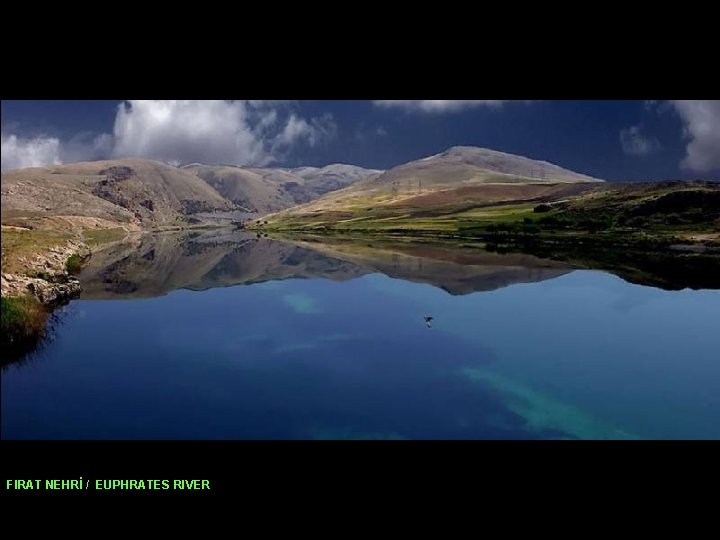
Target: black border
pixel 374 57
pixel 381 474
pixel 501 51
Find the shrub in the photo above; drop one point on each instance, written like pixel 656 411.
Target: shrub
pixel 542 208
pixel 74 263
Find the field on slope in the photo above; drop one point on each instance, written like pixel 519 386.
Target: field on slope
pixel 668 212
pixel 458 180
pixel 483 194
pixel 437 210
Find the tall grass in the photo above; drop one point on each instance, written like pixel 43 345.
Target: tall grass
pixel 23 323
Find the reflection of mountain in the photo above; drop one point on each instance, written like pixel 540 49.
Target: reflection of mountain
pixel 455 269
pixel 153 265
pixel 671 270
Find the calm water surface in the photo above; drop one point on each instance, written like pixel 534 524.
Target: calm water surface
pixel 234 337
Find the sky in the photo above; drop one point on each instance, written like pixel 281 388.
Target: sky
pixel 609 139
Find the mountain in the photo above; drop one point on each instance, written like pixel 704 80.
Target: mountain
pixel 140 193
pixel 246 188
pixel 131 192
pixel 334 177
pixel 305 184
pixel 460 176
pixel 468 165
pixel 264 190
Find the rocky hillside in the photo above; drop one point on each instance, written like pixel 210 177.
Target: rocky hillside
pixel 144 194
pixel 333 177
pixel 44 275
pixel 131 192
pixel 452 178
pixel 265 190
pixel 247 189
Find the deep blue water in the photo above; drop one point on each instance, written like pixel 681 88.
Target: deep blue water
pixel 584 355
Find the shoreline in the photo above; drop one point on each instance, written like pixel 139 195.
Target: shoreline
pixel 38 275
pixel 41 283
pixel 571 240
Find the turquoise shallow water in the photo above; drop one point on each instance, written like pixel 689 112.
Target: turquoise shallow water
pixel 584 355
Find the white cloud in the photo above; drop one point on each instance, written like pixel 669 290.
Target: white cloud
pixel 363 132
pixel 439 105
pixel 19 152
pixel 252 132
pixel 215 131
pixel 635 143
pixel 313 132
pixel 267 123
pixel 702 127
pixel 209 131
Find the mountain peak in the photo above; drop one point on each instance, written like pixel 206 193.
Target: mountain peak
pixel 461 148
pixel 464 163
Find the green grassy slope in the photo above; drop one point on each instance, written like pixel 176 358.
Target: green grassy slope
pixel 605 213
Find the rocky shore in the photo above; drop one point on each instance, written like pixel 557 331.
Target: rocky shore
pixel 46 277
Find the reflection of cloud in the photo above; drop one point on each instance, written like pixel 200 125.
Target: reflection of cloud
pixel 544 413
pixel 632 298
pixel 312 343
pixel 302 303
pixel 294 347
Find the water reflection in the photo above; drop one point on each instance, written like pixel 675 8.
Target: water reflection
pixel 561 354
pixel 153 265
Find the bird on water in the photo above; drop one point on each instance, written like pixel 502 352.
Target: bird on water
pixel 428 320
